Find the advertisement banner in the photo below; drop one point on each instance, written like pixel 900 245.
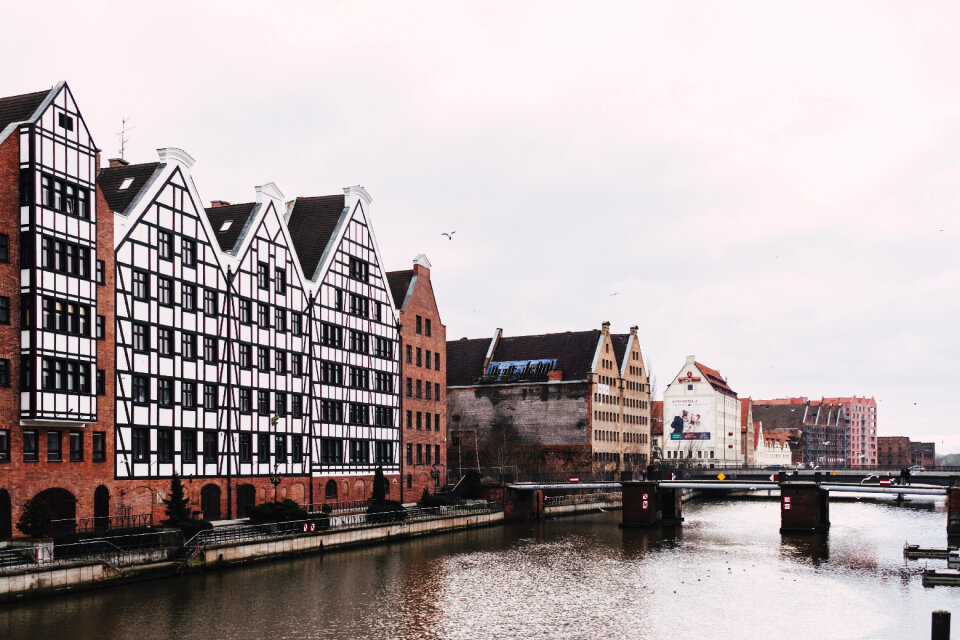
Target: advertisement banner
pixel 691 418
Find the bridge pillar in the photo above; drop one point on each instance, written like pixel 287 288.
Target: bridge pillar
pixel 804 507
pixel 953 511
pixel 648 504
pixel 522 505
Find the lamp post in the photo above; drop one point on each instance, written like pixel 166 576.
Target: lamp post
pixel 275 480
pixel 435 474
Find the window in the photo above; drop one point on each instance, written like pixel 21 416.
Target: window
pixel 101 327
pixel 419 420
pixel 263 275
pixel 280 449
pixel 436 391
pixel 165 445
pixel 165 341
pixel 141 285
pixel 280 404
pixel 165 290
pixel 359 342
pixel 296 364
pixel 210 448
pixel 383 416
pixel 210 302
pixel 26 187
pixel 428 391
pixel 4 310
pixel 359 306
pixel 383 381
pixel 188 346
pixel 296 323
pixel 165 392
pixel 64 257
pixel 429 359
pixel 189 252
pixel 359 451
pixel 383 451
pixel 101 272
pixel 427 452
pixel 263 448
pixel 409 419
pixel 419 324
pixel 409 454
pixel 379 311
pixel 280 319
pixel 331 411
pixel 331 335
pixel 263 315
pixel 246 311
pixel 426 418
pixel 436 361
pixel 419 454
pixel 141 389
pixel 64 121
pixel 419 388
pixel 141 445
pixel 188 391
pixel 4 372
pixel 210 351
pixel 4 247
pixel 188 297
pixel 210 396
pixel 26 308
pixel 54 441
pixel 383 348
pixel 246 447
pixel 64 316
pixel 426 328
pixel 280 281
pixel 436 427
pixel 331 451
pixel 280 362
pixel 188 445
pixel 436 453
pixel 419 357
pixel 26 374
pixel 338 299
pixel 331 373
pixel 246 400
pixel 296 408
pixel 359 270
pixel 99 446
pixel 101 382
pixel 64 375
pixel 359 413
pixel 409 354
pixel 30 446
pixel 409 387
pixel 263 402
pixel 359 378
pixel 297 453
pixel 246 356
pixel 165 245
pixel 263 358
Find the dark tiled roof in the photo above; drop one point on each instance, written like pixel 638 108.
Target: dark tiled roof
pixel 311 223
pixel 574 350
pixel 237 215
pixel 779 416
pixel 110 178
pixel 715 379
pixel 399 285
pixel 465 360
pixel 20 108
pixel 619 341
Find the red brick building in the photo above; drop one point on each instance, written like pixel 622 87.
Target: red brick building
pixel 893 451
pixel 423 339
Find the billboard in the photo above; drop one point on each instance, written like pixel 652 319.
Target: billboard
pixel 691 418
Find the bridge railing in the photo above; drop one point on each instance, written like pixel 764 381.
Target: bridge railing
pixel 583 498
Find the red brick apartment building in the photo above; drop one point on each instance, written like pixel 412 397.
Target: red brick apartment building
pixel 142 335
pixel 423 339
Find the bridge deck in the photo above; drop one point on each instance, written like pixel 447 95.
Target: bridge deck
pixel 717 485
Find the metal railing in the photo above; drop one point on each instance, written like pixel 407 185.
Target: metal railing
pixel 585 498
pixel 86 525
pixel 344 506
pixel 112 551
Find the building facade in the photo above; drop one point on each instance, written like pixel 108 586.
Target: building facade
pixel 893 452
pixel 701 418
pixel 575 402
pixel 862 417
pixel 423 340
pixel 817 432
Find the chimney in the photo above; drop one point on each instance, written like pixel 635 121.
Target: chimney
pixel 421 266
pixel 218 203
pixel 634 329
pixel 492 349
pixel 691 360
pixel 605 327
pixel 117 162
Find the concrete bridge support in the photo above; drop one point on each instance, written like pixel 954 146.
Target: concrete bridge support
pixel 953 511
pixel 648 504
pixel 804 507
pixel 522 505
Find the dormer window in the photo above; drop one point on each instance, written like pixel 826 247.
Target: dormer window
pixel 125 184
pixel 226 225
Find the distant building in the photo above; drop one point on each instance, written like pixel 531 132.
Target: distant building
pixel 575 402
pixel 770 449
pixel 817 432
pixel 656 429
pixel 862 415
pixel 893 451
pixel 748 432
pixel 701 418
pixel 923 453
pixel 424 350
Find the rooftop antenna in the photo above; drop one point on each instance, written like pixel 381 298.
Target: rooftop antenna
pixel 123 136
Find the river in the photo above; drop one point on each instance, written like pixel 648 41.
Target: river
pixel 726 573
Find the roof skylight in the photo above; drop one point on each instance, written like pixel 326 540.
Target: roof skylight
pixel 126 183
pixel 226 225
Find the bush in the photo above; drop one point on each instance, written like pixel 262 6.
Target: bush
pixel 35 519
pixel 283 511
pixel 191 528
pixel 470 488
pixel 436 500
pixel 387 511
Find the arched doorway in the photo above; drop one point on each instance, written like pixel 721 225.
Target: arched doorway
pixel 101 508
pixel 6 517
pixel 359 490
pixel 63 509
pixel 246 498
pixel 330 490
pixel 210 501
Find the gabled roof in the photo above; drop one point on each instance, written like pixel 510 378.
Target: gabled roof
pixel 620 341
pixel 656 417
pixel 779 416
pixel 715 379
pixel 399 286
pixel 312 222
pixel 110 179
pixel 236 215
pixel 573 351
pixel 744 410
pixel 20 108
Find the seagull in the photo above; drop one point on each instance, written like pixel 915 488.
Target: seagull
pixel 449 235
pixel 615 293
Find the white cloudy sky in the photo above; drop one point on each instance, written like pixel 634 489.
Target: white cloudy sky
pixel 772 189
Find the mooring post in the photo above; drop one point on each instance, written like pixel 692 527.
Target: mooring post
pixel 522 504
pixel 953 511
pixel 804 507
pixel 940 626
pixel 641 504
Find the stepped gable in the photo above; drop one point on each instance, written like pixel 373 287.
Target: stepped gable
pixel 20 108
pixel 399 286
pixel 312 222
pixel 465 360
pixel 110 179
pixel 228 222
pixel 715 379
pixel 573 350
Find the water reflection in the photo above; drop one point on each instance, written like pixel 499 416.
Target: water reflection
pixel 726 572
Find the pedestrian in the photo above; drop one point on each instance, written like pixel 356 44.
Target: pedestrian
pixel 903 475
pixel 906 475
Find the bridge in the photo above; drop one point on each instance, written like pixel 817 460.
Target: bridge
pixel 804 504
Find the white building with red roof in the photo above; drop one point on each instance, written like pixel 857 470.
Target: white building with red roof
pixel 701 418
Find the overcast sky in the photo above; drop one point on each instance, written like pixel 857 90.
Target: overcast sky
pixel 772 189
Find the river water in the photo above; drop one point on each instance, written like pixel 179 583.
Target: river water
pixel 726 573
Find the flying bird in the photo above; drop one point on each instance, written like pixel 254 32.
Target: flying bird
pixel 615 293
pixel 449 235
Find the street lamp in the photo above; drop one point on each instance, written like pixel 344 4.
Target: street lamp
pixel 435 474
pixel 275 480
